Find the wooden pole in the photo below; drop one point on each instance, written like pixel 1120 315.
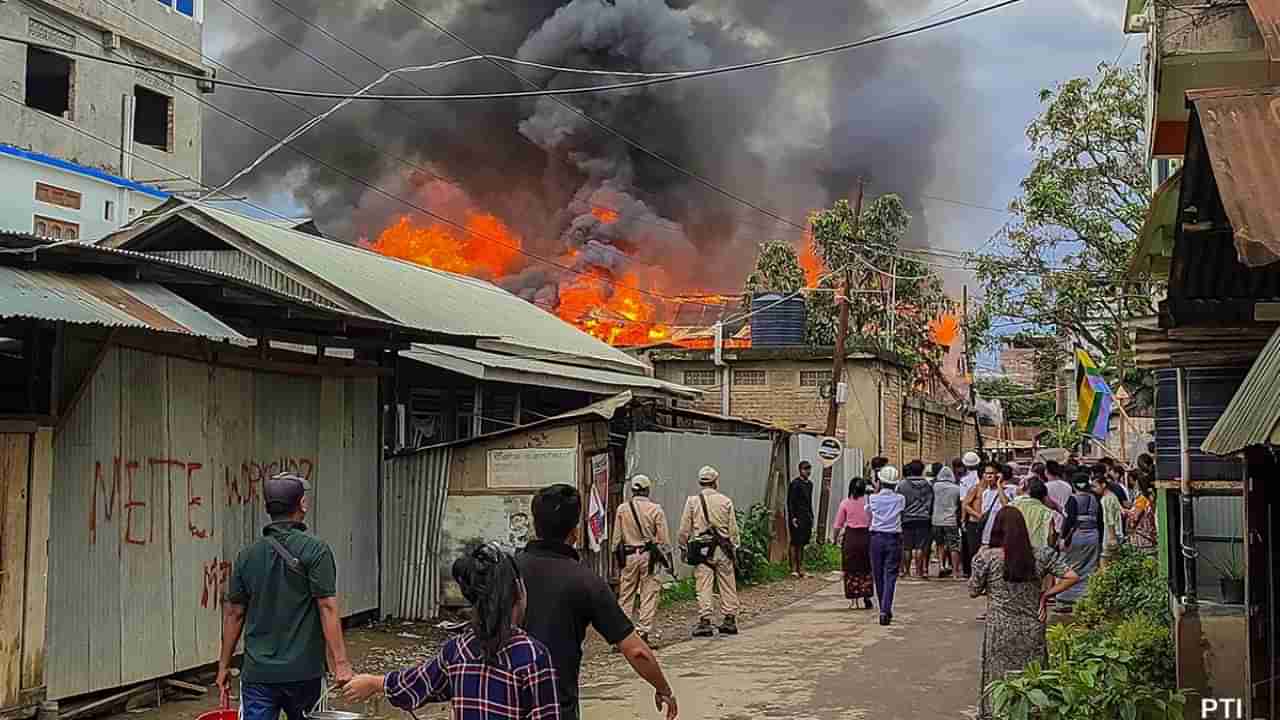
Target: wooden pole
pixel 837 363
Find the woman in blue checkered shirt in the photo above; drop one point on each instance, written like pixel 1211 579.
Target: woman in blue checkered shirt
pixel 493 670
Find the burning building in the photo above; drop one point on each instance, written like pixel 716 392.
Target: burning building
pixel 577 205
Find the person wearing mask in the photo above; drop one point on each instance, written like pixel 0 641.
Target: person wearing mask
pixel 709 514
pixel 642 541
pixel 1112 520
pixel 1055 482
pixel 945 519
pixel 853 535
pixel 1041 520
pixel 1081 537
pixel 493 670
pixel 917 519
pixel 886 508
pixel 1011 573
pixel 283 598
pixel 565 598
pixel 800 515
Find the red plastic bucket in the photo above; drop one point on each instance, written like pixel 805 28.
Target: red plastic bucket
pixel 223 713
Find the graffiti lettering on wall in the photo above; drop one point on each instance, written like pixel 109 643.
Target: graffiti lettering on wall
pixel 242 489
pixel 136 487
pixel 214 576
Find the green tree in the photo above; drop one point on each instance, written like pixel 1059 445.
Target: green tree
pixel 777 270
pixel 883 280
pixel 1061 264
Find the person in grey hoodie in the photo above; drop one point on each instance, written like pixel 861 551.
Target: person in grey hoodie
pixel 947 495
pixel 917 518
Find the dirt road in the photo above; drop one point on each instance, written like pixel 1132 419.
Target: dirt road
pixel 817 659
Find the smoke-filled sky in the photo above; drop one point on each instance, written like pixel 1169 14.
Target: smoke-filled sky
pixel 939 114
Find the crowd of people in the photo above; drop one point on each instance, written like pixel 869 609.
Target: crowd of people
pixel 1022 539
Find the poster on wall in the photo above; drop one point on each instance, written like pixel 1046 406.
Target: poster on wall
pixel 597 522
pixel 532 468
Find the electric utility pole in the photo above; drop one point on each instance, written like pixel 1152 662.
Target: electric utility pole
pixel 969 374
pixel 837 363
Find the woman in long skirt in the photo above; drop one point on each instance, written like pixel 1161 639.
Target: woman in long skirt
pixel 1082 538
pixel 1011 573
pixel 852 528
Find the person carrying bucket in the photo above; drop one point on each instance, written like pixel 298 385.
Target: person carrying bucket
pixel 283 597
pixel 492 671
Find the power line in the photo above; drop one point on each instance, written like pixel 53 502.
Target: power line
pixel 665 78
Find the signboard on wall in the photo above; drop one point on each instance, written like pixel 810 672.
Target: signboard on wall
pixel 531 468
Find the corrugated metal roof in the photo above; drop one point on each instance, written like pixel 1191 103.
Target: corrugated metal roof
pixel 1242 131
pixel 1253 415
pixel 411 294
pixel 508 368
pixel 1266 13
pixel 97 300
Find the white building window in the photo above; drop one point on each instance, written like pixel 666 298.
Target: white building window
pixel 47 227
pixel 109 210
pixel 749 377
pixel 814 378
pixel 54 195
pixel 190 8
pixel 700 378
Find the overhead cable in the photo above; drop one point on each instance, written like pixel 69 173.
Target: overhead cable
pixel 550 92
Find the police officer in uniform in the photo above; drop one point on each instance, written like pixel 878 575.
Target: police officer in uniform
pixel 643 535
pixel 716 575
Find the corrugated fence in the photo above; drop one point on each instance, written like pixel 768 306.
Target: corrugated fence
pixel 414 495
pixel 157 486
pixel 672 461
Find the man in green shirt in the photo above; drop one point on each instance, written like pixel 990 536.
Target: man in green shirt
pixel 283 596
pixel 1041 521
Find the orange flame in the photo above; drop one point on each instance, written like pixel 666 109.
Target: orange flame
pixel 618 313
pixel 810 262
pixel 944 329
pixel 488 250
pixel 605 215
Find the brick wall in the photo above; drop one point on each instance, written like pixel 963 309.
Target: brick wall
pixel 932 431
pixel 763 390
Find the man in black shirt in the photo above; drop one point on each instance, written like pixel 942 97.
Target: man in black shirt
pixel 800 511
pixel 565 596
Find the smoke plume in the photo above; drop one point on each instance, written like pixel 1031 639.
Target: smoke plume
pixel 790 139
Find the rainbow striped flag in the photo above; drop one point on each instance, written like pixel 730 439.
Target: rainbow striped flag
pixel 1094 397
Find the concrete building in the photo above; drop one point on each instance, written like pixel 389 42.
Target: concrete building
pixel 788 387
pixel 86 146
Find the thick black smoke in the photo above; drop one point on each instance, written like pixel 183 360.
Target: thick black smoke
pixel 789 139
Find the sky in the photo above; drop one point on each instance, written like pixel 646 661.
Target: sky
pixel 973 86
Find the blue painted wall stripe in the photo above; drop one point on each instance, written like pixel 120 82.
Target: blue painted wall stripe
pixel 81 170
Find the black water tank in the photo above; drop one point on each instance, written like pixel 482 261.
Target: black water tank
pixel 1208 391
pixel 778 320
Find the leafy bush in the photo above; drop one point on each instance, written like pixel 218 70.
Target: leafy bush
pixel 755 527
pixel 1129 585
pixel 1151 645
pixel 1097 683
pixel 821 557
pixel 680 591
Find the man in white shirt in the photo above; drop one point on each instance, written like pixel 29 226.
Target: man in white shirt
pixel 968 534
pixel 886 508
